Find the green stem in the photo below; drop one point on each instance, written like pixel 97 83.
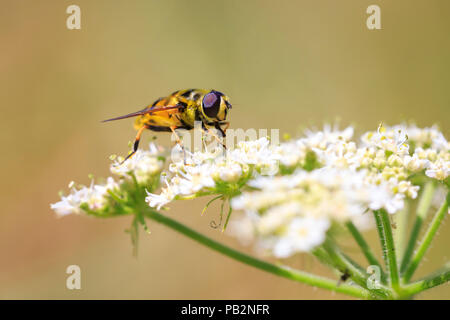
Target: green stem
pixel 429 282
pixel 228 216
pixel 323 257
pixel 428 237
pixel 116 197
pixel 401 220
pixel 387 244
pixel 343 264
pixel 367 251
pixel 281 271
pixel 422 209
pixel 346 265
pixel 209 202
pixel 332 262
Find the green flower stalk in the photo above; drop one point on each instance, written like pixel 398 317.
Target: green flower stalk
pixel 297 197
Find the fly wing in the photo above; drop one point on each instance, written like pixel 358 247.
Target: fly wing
pixel 133 114
pixel 154 109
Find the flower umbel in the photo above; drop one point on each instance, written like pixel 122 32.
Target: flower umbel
pixel 297 197
pixel 94 196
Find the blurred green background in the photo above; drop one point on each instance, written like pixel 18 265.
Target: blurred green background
pixel 285 64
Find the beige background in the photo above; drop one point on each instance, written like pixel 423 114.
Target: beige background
pixel 284 64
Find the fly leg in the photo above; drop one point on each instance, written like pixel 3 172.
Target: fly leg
pixel 224 130
pixel 208 130
pixel 136 143
pixel 179 142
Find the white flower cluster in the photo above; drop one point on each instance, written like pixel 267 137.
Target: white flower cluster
pixel 294 153
pixel 207 172
pixel 144 165
pixel 307 202
pixel 290 193
pixel 292 213
pixel 431 151
pixel 94 196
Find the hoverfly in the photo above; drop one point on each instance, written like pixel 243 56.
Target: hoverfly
pixel 180 110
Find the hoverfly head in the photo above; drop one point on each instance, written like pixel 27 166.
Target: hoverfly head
pixel 215 106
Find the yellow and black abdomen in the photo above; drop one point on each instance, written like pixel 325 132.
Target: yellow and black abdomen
pixel 163 120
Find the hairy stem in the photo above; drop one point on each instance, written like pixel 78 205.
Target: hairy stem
pixel 367 251
pixel 281 271
pixel 427 238
pixel 422 210
pixel 347 266
pixel 400 236
pixel 387 244
pixel 440 277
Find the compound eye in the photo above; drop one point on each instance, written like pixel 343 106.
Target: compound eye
pixel 211 104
